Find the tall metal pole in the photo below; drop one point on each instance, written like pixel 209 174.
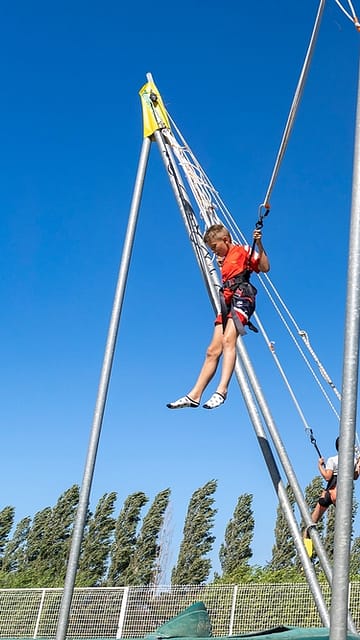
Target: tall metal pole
pixel 343 518
pixel 81 514
pixel 281 491
pixel 293 482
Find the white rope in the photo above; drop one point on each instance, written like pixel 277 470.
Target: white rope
pixel 298 346
pixel 304 336
pixel 353 16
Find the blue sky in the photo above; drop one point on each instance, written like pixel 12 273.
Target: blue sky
pixel 71 133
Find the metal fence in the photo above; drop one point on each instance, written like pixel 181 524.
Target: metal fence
pixel 132 612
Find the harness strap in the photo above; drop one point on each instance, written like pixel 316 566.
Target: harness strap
pixel 233 284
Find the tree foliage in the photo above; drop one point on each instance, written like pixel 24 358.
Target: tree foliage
pixel 193 566
pixel 125 539
pixel 283 551
pixel 97 543
pixel 6 522
pixel 144 560
pixel 235 552
pixel 15 550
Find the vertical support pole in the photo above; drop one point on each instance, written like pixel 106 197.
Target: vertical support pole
pixel 343 518
pixel 122 612
pixel 81 513
pixel 38 617
pixel 233 609
pixel 279 488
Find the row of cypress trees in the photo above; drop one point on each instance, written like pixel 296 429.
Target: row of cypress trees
pixel 133 549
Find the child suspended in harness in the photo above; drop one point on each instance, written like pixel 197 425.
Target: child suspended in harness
pixel 237 300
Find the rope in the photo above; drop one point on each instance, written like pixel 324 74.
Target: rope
pixel 353 17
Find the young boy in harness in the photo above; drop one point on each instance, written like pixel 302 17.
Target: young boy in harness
pixel 237 300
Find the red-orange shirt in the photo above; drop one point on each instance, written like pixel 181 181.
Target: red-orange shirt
pixel 236 261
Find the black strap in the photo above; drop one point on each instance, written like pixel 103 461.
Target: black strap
pixel 232 283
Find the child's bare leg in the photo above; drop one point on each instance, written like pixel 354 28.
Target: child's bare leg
pixel 229 357
pixel 209 367
pixel 228 364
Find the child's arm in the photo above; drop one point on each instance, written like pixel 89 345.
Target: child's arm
pixel 327 474
pixel 264 264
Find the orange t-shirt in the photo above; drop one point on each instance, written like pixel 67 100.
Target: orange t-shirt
pixel 236 261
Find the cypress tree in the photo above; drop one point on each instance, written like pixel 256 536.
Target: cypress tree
pixel 125 539
pixel 15 550
pixel 283 551
pixel 144 561
pixel 236 551
pixel 6 523
pixel 192 565
pixel 97 543
pixel 59 534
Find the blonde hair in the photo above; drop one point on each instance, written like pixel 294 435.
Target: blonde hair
pixel 215 230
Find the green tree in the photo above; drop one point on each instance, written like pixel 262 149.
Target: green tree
pixel 125 538
pixel 37 540
pixel 236 551
pixel 15 550
pixel 283 551
pixel 59 535
pixel 144 560
pixel 97 543
pixel 355 559
pixel 192 566
pixel 6 523
pixel 49 540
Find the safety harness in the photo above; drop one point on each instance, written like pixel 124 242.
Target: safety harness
pixel 241 283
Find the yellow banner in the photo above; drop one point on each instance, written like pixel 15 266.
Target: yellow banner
pixel 154 113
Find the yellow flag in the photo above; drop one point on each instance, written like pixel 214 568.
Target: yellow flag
pixel 154 113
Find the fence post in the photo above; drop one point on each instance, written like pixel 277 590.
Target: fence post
pixel 37 623
pixel 232 614
pixel 122 612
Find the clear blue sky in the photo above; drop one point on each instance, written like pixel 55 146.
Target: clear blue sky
pixel 71 134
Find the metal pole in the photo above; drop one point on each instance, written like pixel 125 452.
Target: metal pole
pixel 101 399
pixel 343 518
pixel 290 474
pixel 281 493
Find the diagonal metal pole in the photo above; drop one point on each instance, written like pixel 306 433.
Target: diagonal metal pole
pixel 343 518
pixel 82 509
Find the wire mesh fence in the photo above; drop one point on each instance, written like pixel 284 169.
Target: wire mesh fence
pixel 132 612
